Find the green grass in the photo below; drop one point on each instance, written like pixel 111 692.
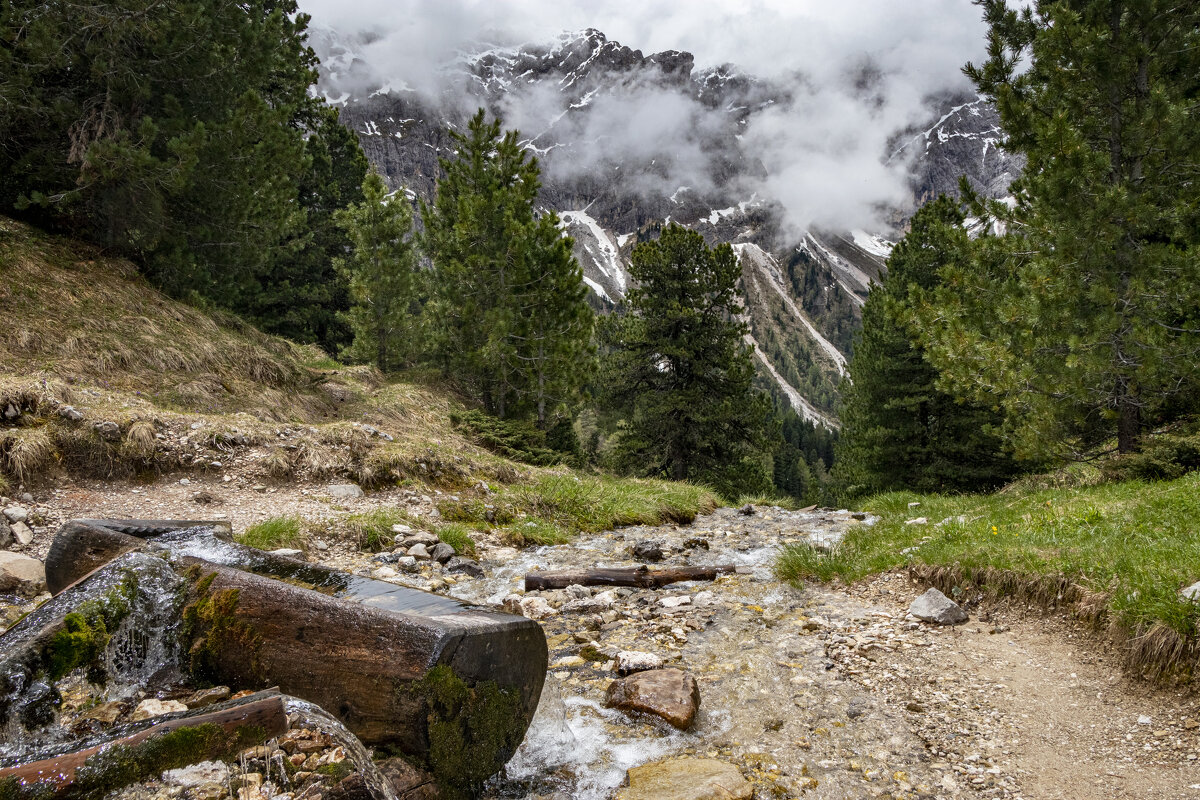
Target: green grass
pixel 275 533
pixel 458 536
pixel 1121 551
pixel 566 503
pixel 372 530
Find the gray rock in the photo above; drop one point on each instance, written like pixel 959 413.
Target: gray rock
pixel 214 773
pixel 398 528
pixel 917 521
pixel 21 575
pixel 746 510
pixel 291 552
pixel 630 661
pixel 26 497
pixel 648 551
pixel 442 552
pixel 530 607
pixel 933 606
pixel 420 537
pixel 22 534
pixel 419 552
pixel 1192 592
pixel 466 566
pixel 70 413
pixel 16 514
pixel 6 535
pixel 344 490
pixel 109 431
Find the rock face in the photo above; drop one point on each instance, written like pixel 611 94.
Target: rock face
pixel 933 606
pixel 687 779
pixel 21 575
pixel 668 693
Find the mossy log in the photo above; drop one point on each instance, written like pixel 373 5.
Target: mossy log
pixel 134 752
pixel 642 577
pixel 452 684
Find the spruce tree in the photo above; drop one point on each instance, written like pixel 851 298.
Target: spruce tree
pixel 898 430
pixel 383 277
pixel 1083 313
pixel 681 371
pixel 512 324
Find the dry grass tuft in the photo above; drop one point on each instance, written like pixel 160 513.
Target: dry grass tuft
pixel 140 443
pixel 26 451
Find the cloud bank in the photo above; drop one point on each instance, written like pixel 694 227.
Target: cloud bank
pixel 856 72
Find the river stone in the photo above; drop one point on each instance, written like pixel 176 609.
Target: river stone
pixel 528 607
pixel 668 693
pixel 21 575
pixel 344 490
pixel 648 551
pixel 459 564
pixel 156 708
pixel 687 779
pixel 933 606
pixel 629 661
pixel 1192 592
pixel 441 552
pixel 420 537
pixel 419 552
pixel 206 772
pixel 22 533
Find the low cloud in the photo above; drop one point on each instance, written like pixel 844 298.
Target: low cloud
pixel 854 74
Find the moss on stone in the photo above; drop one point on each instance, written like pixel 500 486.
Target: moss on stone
pixel 85 633
pixel 336 771
pixel 473 730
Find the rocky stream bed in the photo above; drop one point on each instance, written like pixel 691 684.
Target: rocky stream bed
pixel 824 692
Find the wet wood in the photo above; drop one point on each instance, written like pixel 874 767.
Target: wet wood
pixel 262 714
pixel 641 577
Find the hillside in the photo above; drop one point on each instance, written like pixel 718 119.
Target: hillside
pixel 103 377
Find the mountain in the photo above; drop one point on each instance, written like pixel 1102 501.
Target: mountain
pixel 592 110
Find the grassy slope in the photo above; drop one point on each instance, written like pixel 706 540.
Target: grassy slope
pixel 85 330
pixel 1115 553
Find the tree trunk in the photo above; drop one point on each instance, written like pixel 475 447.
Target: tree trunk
pixel 642 577
pixel 237 724
pixel 1129 421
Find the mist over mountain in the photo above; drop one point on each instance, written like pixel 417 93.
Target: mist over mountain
pixel 810 173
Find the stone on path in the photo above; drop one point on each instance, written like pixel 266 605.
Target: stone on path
pixel 648 551
pixel 21 575
pixel 687 779
pixel 6 535
pixel 16 514
pixel 344 490
pixel 668 693
pixel 1192 592
pixel 933 606
pixel 22 534
pixel 442 552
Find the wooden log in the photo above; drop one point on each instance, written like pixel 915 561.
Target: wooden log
pixel 642 577
pixel 397 666
pixel 134 752
pixel 84 545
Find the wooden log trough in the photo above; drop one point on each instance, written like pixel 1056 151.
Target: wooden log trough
pixel 449 684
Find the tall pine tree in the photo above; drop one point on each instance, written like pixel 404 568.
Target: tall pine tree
pixel 384 280
pixel 512 323
pixel 898 430
pixel 1083 315
pixel 681 372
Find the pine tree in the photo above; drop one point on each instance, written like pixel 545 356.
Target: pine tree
pixel 681 372
pixel 383 277
pixel 898 430
pixel 1083 315
pixel 512 321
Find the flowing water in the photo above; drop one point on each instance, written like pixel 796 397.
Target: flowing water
pixel 771 700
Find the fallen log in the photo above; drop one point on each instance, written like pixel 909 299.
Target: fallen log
pixel 131 753
pixel 641 577
pixel 452 684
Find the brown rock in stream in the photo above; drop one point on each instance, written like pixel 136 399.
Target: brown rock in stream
pixel 668 693
pixel 687 779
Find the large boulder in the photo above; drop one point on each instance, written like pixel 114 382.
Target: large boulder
pixel 933 606
pixel 668 693
pixel 21 575
pixel 687 779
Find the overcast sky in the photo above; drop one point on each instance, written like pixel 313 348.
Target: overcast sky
pixel 824 151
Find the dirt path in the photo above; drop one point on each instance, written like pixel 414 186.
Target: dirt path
pixel 818 692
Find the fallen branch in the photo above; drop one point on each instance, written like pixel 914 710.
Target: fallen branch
pixel 134 752
pixel 642 577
